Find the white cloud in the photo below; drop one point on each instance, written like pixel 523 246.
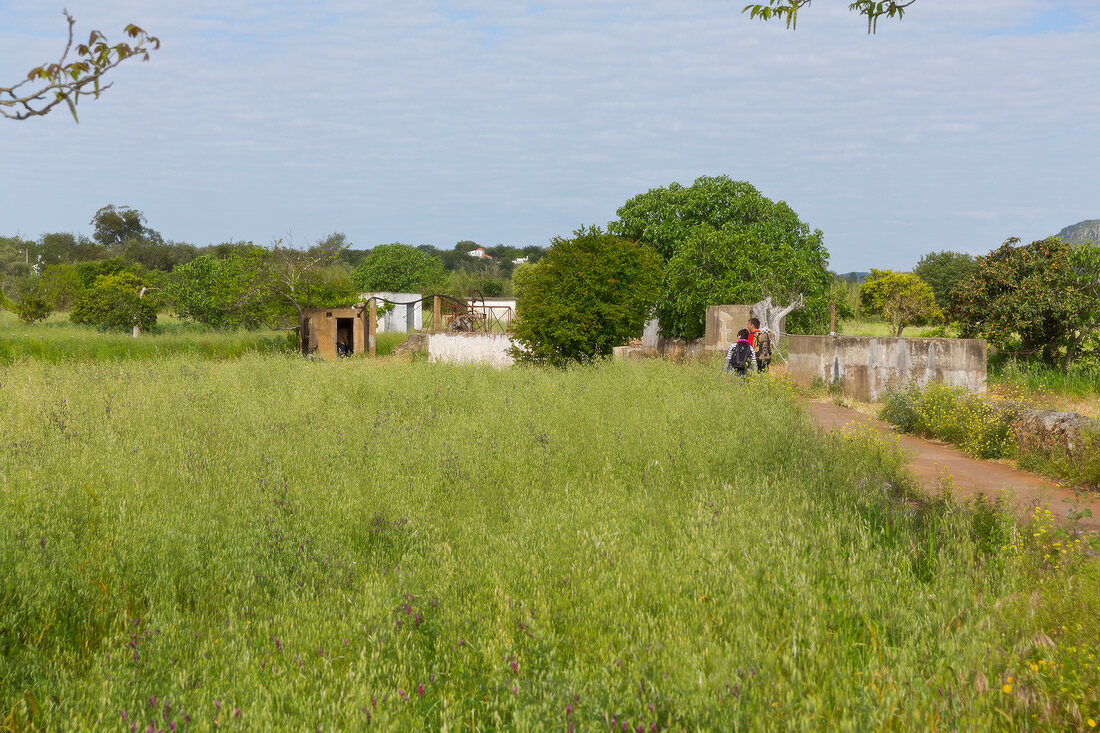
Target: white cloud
pixel 503 121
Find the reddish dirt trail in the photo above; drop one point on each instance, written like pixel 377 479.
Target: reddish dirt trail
pixel 930 460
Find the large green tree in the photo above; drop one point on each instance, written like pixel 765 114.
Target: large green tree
pixel 725 242
pixel 901 298
pixel 116 224
pixel 589 294
pixel 311 278
pixel 70 78
pixel 399 268
pixel 1041 299
pixel 227 292
pixel 942 271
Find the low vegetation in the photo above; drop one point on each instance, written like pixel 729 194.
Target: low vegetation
pixel 273 543
pixel 984 427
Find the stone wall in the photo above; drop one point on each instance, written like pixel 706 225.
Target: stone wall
pixel 1047 431
pixel 470 348
pixel 866 367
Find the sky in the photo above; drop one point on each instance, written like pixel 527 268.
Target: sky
pixel 512 122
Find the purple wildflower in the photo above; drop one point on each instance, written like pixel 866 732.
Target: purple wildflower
pixel 420 689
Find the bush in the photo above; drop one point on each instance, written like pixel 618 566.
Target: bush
pixel 116 301
pixel 33 308
pixel 953 415
pixel 589 294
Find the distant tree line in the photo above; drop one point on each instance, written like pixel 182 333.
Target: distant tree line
pixel 226 285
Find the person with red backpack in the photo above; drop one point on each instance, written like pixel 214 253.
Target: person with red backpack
pixel 740 356
pixel 761 343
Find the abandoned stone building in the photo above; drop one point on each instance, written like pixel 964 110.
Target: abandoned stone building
pixel 333 332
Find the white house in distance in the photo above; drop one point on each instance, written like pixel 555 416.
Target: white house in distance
pixel 479 253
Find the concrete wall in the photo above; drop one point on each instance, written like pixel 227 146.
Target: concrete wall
pixel 866 367
pixel 723 323
pixel 470 348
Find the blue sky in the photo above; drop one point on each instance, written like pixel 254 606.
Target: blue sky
pixel 504 121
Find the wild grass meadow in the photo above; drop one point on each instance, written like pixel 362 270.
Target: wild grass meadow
pixel 269 543
pixel 58 340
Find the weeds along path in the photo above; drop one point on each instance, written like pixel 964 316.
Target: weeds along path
pixel 929 461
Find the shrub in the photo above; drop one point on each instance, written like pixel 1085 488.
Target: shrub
pixel 953 415
pixel 589 294
pixel 116 301
pixel 33 308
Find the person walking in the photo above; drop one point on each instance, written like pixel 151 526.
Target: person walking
pixel 740 357
pixel 761 339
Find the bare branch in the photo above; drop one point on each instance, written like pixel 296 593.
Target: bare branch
pixel 51 84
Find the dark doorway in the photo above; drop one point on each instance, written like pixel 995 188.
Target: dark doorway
pixel 345 336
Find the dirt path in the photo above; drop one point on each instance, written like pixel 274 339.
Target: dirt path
pixel 929 460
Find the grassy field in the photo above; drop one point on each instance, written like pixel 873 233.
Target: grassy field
pixel 271 543
pixel 58 340
pixel 878 327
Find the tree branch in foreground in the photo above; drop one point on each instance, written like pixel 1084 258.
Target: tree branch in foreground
pixel 66 81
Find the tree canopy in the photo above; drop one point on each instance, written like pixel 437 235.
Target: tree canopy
pixel 1039 299
pixel 66 80
pixel 787 10
pixel 901 298
pixel 117 301
pixel 399 268
pixel 943 271
pixel 725 242
pixel 589 294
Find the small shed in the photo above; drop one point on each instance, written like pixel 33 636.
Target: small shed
pixel 333 332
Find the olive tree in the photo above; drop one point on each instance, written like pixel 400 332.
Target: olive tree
pixel 901 298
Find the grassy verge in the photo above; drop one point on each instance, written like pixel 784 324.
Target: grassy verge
pixel 273 543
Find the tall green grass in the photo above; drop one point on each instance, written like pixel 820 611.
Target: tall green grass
pixel 1035 378
pixel 58 340
pixel 273 543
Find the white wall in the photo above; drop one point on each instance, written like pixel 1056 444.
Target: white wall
pixel 470 348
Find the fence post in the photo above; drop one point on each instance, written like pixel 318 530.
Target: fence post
pixel 437 314
pixel 372 327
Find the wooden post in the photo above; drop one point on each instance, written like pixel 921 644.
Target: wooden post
pixel 437 314
pixel 372 326
pixel 832 317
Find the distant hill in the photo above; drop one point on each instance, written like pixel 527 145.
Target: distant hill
pixel 1081 232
